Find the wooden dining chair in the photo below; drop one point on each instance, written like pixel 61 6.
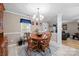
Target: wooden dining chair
pixel 32 46
pixel 46 40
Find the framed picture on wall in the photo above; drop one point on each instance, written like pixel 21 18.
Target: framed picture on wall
pixel 64 26
pixel 25 25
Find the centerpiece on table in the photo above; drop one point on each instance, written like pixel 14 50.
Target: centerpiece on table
pixel 38 32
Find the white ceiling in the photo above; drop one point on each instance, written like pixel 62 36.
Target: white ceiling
pixel 70 11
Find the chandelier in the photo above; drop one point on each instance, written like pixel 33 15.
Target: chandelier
pixel 38 16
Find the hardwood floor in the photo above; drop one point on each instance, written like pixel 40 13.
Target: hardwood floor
pixel 71 42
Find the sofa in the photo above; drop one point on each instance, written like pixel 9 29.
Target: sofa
pixel 76 35
pixel 65 35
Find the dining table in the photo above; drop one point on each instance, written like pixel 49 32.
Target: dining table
pixel 36 42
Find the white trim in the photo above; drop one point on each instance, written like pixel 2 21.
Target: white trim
pixel 16 13
pixel 12 33
pixel 11 45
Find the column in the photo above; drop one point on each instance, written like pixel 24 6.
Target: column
pixel 59 30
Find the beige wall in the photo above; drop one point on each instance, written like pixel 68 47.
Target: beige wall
pixel 11 24
pixel 72 27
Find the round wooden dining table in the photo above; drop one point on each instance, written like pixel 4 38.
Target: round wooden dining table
pixel 36 37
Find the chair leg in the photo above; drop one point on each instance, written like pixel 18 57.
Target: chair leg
pixel 29 51
pixel 49 50
pixel 45 52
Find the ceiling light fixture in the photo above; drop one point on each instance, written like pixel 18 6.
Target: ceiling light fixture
pixel 38 16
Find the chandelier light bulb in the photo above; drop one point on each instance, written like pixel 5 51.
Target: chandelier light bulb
pixel 38 16
pixel 37 19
